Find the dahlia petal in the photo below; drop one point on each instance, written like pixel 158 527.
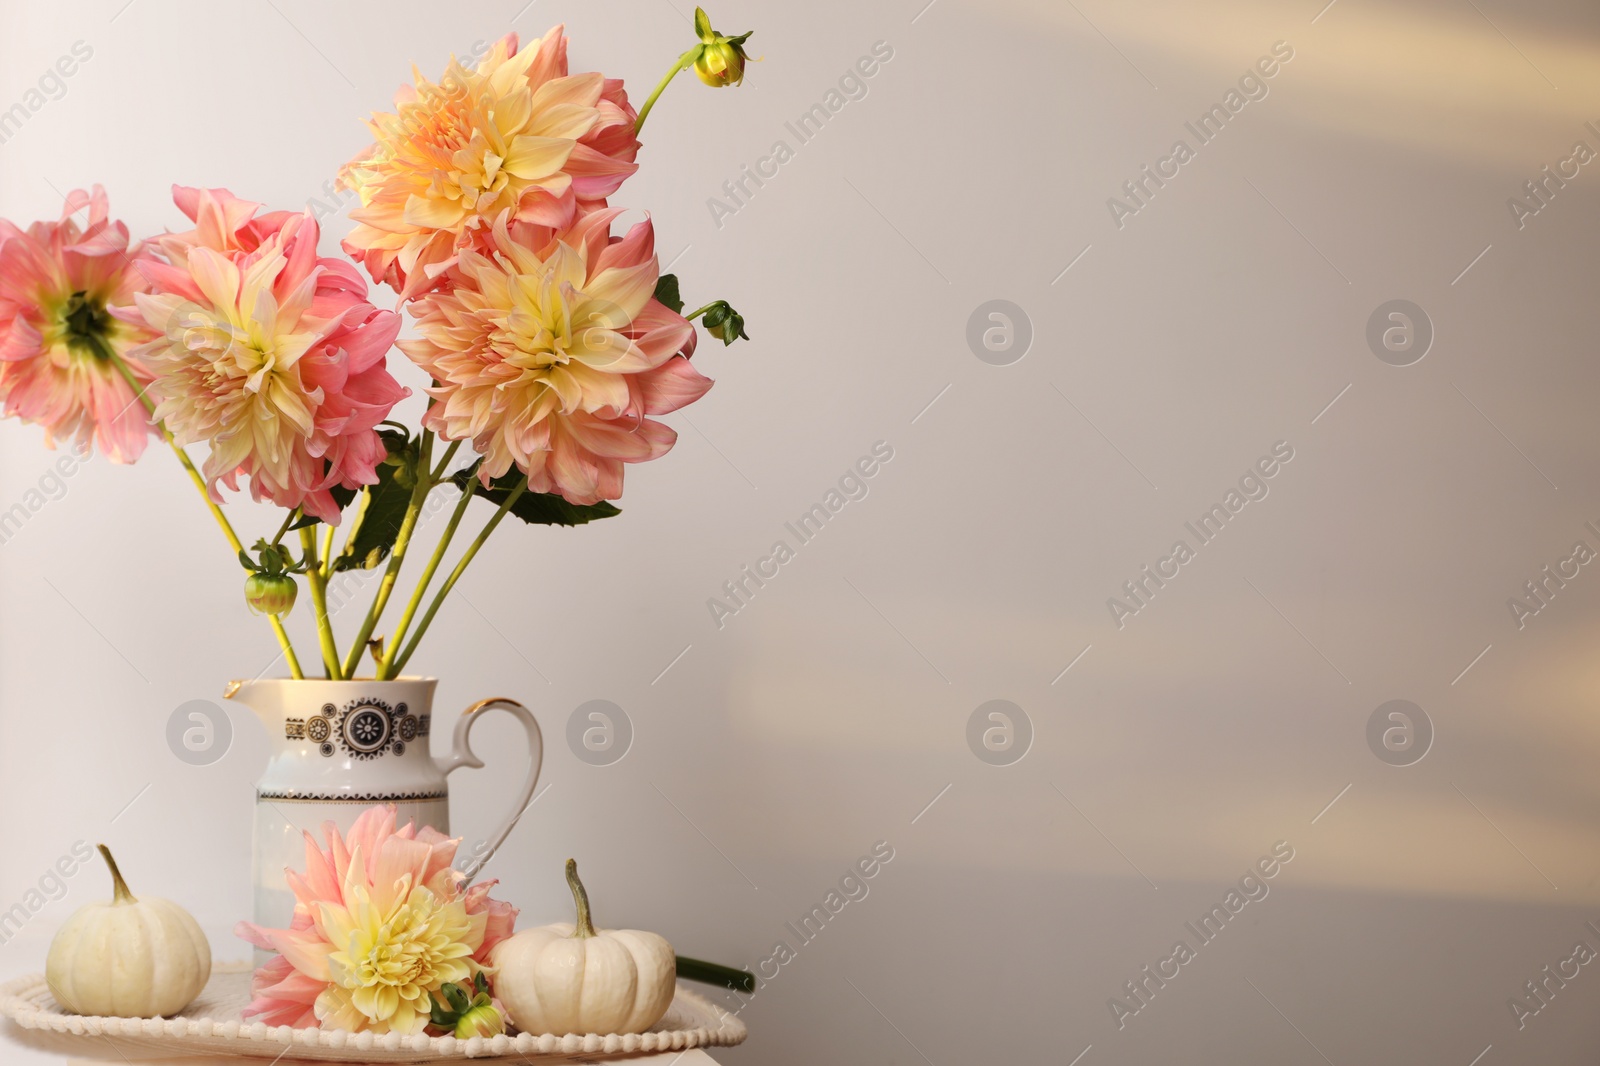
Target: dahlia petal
pixel 296 989
pixel 400 866
pixel 216 277
pixel 549 204
pixel 628 440
pixel 629 288
pixel 28 268
pixel 304 951
pixel 532 158
pixel 321 879
pixel 254 934
pixel 433 212
pixel 21 341
pixel 169 278
pixel 566 121
pixel 637 246
pixel 371 828
pixel 574 472
pixel 597 174
pixel 549 56
pixel 673 384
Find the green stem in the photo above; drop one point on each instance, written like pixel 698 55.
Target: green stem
pixel 455 575
pixel 319 600
pixel 355 524
pixel 327 554
pixel 424 581
pixel 119 887
pixel 713 974
pixel 692 315
pixel 288 520
pixel 684 62
pixel 580 895
pixel 205 494
pixel 397 556
pixel 449 454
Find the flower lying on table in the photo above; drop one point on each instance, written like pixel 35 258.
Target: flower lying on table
pixel 381 926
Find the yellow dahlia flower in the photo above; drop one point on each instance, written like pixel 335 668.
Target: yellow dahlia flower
pixel 517 133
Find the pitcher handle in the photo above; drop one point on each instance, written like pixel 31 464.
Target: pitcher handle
pixel 461 755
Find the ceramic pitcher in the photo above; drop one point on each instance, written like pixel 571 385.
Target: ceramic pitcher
pixel 339 747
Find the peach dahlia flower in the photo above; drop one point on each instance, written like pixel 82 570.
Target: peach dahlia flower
pixel 57 336
pixel 549 350
pixel 517 133
pixel 265 351
pixel 381 922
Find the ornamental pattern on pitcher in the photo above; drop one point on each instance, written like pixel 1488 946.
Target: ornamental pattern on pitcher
pixel 363 729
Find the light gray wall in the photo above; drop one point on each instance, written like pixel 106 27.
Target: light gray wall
pixel 1168 355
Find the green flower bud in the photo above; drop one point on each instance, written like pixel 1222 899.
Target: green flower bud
pixel 270 593
pixel 466 1010
pixel 722 59
pixel 482 1019
pixel 724 323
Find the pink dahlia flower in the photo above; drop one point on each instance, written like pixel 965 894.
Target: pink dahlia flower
pixel 517 133
pixel 268 353
pixel 57 338
pixel 548 351
pixel 380 924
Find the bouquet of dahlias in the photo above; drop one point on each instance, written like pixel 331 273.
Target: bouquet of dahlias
pixel 484 203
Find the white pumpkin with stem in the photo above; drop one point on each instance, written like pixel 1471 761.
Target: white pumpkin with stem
pixel 578 979
pixel 128 958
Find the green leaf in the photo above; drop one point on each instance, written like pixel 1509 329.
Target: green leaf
pixel 534 508
pixel 458 998
pixel 667 292
pixel 383 507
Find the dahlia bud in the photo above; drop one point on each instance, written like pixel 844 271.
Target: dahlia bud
pixel 722 59
pixel 467 1010
pixel 270 588
pixel 482 1019
pixel 270 593
pixel 724 323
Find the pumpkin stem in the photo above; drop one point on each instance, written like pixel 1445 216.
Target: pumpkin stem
pixel 580 895
pixel 119 887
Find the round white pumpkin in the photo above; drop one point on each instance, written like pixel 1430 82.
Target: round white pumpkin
pixel 566 978
pixel 129 958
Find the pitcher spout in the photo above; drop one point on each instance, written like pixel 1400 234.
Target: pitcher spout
pixel 264 697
